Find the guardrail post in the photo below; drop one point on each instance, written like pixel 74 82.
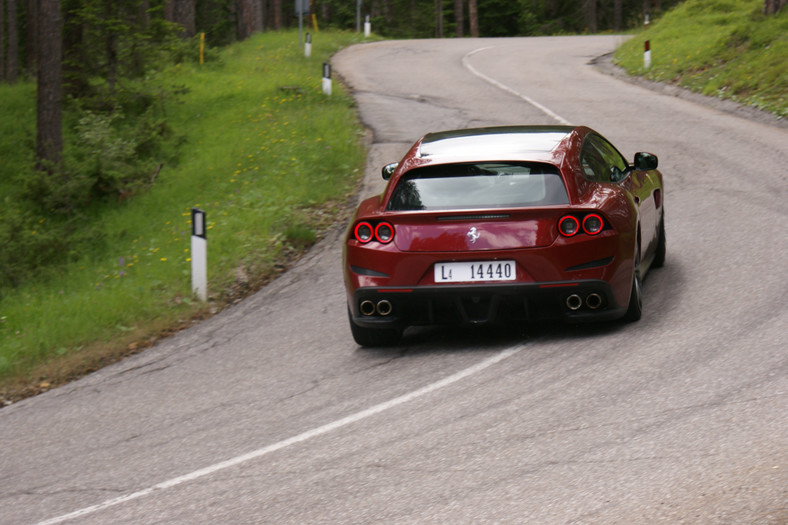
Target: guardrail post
pixel 326 78
pixel 199 255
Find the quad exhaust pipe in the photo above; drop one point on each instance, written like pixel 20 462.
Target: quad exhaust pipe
pixel 592 301
pixel 574 302
pixel 383 307
pixel 367 307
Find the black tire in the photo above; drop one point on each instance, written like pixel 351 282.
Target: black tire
pixel 373 336
pixel 635 309
pixel 659 254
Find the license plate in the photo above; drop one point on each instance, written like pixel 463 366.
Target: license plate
pixel 465 272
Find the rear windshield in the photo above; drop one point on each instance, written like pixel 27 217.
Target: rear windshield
pixel 477 186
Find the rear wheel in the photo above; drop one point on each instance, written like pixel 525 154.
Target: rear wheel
pixel 659 254
pixel 373 336
pixel 635 310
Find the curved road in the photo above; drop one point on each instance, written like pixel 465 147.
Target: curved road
pixel 269 413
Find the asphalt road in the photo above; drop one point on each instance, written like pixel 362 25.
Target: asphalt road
pixel 269 413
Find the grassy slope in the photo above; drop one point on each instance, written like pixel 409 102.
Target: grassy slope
pixel 723 48
pixel 268 157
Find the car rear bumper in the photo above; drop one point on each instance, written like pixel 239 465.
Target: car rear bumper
pixel 480 304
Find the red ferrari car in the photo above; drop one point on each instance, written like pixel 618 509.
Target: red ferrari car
pixel 504 225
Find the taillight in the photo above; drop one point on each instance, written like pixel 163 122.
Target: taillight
pixel 568 225
pixel 363 232
pixel 384 232
pixel 592 224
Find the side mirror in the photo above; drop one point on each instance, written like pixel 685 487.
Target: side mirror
pixel 645 161
pixel 388 170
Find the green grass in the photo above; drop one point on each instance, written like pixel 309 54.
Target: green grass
pixel 722 48
pixel 268 156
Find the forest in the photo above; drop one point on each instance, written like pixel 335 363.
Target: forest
pixel 111 31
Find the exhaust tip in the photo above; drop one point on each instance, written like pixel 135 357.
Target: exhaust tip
pixel 367 307
pixel 384 307
pixel 574 302
pixel 594 301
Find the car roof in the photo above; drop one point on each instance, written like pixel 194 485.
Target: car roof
pixel 552 145
pixel 493 143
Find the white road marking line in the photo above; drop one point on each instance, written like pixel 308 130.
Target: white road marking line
pixel 300 438
pixel 544 109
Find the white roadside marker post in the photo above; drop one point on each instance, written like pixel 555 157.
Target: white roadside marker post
pixel 326 78
pixel 647 55
pixel 367 27
pixel 308 46
pixel 199 255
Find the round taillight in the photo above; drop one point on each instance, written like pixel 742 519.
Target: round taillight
pixel 592 224
pixel 568 225
pixel 384 232
pixel 363 232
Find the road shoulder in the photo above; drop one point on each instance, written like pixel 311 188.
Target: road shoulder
pixel 604 63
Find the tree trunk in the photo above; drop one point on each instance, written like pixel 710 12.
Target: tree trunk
pixel 277 14
pixel 473 18
pixel 181 12
pixel 590 14
pixel 143 15
pixel 111 54
pixel 75 81
pixel 257 16
pixel 2 40
pixel 240 17
pixel 325 10
pixel 772 7
pixel 459 17
pixel 438 18
pixel 249 18
pixel 31 34
pixel 49 138
pixel 412 17
pixel 618 15
pixel 12 51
